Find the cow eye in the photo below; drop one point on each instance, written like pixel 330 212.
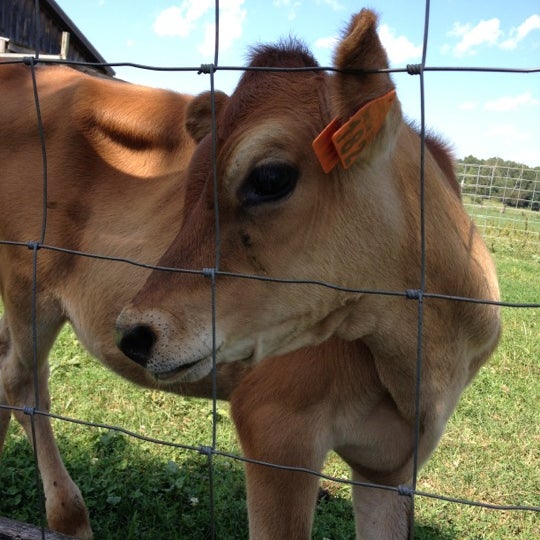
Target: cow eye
pixel 268 183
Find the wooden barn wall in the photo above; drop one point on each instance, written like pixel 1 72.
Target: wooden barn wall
pixel 17 22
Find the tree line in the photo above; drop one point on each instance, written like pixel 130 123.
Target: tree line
pixel 511 183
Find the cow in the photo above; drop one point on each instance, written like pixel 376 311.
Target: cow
pixel 321 229
pixel 117 156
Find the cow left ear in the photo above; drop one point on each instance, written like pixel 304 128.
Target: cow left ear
pixel 199 113
pixel 366 110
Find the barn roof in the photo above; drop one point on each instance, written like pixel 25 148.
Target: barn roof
pixel 18 25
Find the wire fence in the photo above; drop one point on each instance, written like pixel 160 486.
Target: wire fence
pixel 514 196
pixel 503 200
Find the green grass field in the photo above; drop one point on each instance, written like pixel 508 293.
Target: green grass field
pixel 138 490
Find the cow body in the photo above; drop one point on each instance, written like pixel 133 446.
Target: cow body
pixel 357 227
pixel 116 160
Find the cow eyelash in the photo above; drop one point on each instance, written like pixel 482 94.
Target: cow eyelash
pixel 270 182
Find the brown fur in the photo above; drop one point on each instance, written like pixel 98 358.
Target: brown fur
pixel 354 388
pixel 117 156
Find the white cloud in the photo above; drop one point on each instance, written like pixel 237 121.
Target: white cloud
pixel 521 32
pixel 484 33
pixel 191 16
pixel 231 20
pixel 181 21
pixel 399 48
pixel 511 103
pixel 327 43
pixel 468 105
pixel 488 32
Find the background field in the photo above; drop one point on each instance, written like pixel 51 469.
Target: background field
pixel 490 451
pixel 504 199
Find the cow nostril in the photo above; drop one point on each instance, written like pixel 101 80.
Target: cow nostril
pixel 136 343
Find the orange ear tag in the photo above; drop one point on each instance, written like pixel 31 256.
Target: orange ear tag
pixel 345 143
pixel 324 146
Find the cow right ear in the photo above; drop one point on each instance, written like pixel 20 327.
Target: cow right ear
pixel 366 111
pixel 199 113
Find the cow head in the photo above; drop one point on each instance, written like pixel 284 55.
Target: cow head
pixel 280 214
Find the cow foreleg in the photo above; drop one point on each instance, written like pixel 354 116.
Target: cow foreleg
pixel 66 511
pixel 5 416
pixel 281 503
pixel 380 514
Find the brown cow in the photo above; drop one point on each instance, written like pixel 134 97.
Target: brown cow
pixel 357 226
pixel 117 156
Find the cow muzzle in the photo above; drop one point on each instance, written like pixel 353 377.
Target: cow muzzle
pixel 154 339
pixel 136 342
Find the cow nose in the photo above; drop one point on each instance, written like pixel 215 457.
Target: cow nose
pixel 136 342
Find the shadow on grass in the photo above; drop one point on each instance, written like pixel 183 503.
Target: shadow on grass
pixel 429 532
pixel 132 495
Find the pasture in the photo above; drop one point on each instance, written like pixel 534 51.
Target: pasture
pixel 516 227
pixel 155 465
pixel 134 489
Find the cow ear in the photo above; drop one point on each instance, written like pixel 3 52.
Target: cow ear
pixel 199 113
pixel 361 50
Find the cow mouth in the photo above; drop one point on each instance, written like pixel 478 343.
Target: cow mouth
pixel 176 373
pixel 181 373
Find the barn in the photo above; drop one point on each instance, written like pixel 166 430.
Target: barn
pixel 29 25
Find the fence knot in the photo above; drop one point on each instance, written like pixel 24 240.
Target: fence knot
pixel 405 491
pixel 34 246
pixel 29 60
pixel 209 272
pixel 413 294
pixel 414 69
pixel 206 450
pixel 207 69
pixel 29 411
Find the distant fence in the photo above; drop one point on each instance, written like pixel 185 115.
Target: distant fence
pixel 504 201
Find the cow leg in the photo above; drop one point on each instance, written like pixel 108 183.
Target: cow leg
pixel 5 414
pixel 380 514
pixel 66 511
pixel 281 503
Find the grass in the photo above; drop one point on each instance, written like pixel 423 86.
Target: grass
pixel 137 490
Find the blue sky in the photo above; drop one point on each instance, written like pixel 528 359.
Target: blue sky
pixel 483 114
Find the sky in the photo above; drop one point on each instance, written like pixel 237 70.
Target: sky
pixel 481 114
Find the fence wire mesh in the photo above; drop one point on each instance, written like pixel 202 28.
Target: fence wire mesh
pixel 503 200
pixel 493 195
